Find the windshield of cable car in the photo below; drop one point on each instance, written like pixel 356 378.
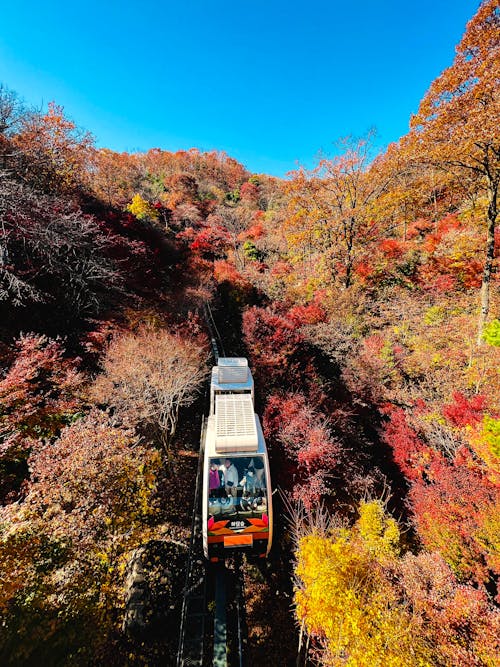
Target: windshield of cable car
pixel 237 489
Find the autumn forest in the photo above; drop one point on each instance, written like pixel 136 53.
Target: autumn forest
pixel 365 294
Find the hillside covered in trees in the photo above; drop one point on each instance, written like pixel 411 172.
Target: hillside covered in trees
pixel 364 292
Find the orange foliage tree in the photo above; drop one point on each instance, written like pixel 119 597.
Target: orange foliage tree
pixel 56 153
pixel 456 127
pixel 115 176
pixel 331 209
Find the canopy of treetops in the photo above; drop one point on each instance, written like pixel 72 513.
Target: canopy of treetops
pixel 365 294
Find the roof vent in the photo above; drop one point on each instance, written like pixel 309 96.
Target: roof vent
pixel 235 427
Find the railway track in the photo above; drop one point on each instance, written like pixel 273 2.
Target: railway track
pixel 213 627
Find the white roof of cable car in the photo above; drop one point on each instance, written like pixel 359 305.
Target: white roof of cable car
pixel 235 428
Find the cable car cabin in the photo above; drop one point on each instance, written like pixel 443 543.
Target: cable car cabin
pixel 237 509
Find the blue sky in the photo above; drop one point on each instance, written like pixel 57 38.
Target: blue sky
pixel 270 82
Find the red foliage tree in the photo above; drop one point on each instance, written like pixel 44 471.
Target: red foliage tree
pixel 226 272
pixel 211 239
pixel 55 253
pixel 311 313
pixel 411 454
pixel 456 511
pixel 300 439
pixel 465 411
pixel 249 194
pixel 276 345
pixel 38 395
pixel 457 620
pixel 256 229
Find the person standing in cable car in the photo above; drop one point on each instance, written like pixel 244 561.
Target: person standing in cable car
pixel 256 465
pixel 214 480
pixel 230 478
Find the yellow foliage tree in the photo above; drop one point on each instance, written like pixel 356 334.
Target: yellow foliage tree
pixel 142 209
pixel 485 441
pixel 344 598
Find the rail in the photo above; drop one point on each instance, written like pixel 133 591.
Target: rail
pixel 194 606
pixel 215 337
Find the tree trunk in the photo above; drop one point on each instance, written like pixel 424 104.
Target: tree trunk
pixel 490 256
pixel 349 261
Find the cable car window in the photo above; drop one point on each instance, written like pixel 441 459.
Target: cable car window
pixel 237 487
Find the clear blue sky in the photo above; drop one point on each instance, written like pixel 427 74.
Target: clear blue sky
pixel 270 82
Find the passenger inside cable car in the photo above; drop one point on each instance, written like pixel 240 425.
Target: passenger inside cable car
pixel 241 492
pixel 215 479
